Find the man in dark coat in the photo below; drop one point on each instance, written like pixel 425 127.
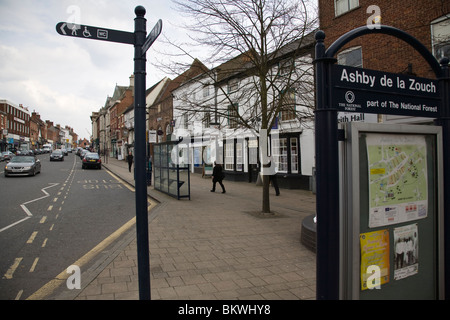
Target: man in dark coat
pixel 217 176
pixel 129 160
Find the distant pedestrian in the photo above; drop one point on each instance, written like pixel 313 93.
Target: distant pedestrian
pixel 217 176
pixel 129 160
pixel 272 173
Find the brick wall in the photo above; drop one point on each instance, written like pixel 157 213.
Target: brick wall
pixel 381 52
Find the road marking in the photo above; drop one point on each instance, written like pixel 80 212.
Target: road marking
pixel 43 219
pixel 51 228
pixel 32 237
pixel 44 243
pixel 10 272
pixel 62 277
pixel 56 199
pixel 25 209
pixel 19 294
pixel 50 208
pixel 34 264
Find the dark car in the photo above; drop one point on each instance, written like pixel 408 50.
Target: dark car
pixel 57 155
pixel 23 166
pixel 91 160
pixel 83 153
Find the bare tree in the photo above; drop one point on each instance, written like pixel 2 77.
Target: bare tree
pixel 260 44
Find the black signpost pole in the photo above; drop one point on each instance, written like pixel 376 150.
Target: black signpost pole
pixel 444 121
pixel 141 45
pixel 140 31
pixel 327 189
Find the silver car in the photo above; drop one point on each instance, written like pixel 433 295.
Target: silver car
pixel 6 155
pixel 23 166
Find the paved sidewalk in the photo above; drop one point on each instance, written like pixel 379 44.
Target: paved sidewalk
pixel 213 247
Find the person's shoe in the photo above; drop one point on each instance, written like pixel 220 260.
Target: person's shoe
pixel 223 191
pixel 213 190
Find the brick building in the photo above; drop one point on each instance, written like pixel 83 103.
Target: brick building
pixel 38 131
pixel 426 20
pixel 17 130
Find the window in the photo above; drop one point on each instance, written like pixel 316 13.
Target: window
pixel 206 119
pixel 342 6
pixel 440 37
pixel 229 155
pixel 351 57
pixel 294 155
pixel 233 116
pixel 280 154
pixel 239 156
pixel 288 107
pixel 206 91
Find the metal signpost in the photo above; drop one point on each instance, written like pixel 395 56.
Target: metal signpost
pixel 343 88
pixel 141 45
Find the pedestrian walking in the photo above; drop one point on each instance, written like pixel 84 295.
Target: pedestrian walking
pixel 129 160
pixel 272 173
pixel 217 176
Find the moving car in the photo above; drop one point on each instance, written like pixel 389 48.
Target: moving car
pixel 91 159
pixel 23 165
pixel 57 155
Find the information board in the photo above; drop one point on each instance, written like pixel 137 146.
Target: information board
pixel 393 216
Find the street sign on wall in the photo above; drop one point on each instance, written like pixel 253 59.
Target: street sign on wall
pixel 369 91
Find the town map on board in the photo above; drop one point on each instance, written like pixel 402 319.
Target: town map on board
pixel 398 189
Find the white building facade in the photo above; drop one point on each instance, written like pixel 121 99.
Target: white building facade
pixel 205 111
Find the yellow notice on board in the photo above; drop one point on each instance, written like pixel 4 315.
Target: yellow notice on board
pixel 374 259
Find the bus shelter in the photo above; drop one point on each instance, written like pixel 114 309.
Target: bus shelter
pixel 171 169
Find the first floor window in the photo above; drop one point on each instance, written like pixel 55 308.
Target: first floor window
pixel 342 6
pixel 440 37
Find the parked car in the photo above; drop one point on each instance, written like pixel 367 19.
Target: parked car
pixel 83 153
pixel 23 165
pixel 91 159
pixel 6 155
pixel 57 155
pixel 64 150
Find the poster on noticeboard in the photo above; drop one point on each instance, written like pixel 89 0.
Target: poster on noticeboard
pixel 374 253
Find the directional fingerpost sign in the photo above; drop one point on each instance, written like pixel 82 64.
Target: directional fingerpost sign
pixel 141 43
pixel 152 36
pixel 96 33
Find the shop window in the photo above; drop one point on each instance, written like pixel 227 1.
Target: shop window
pixel 239 156
pixel 280 154
pixel 229 155
pixel 294 155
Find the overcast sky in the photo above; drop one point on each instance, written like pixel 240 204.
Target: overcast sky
pixel 65 79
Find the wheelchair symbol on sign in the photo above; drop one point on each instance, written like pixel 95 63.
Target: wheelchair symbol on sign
pixel 86 33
